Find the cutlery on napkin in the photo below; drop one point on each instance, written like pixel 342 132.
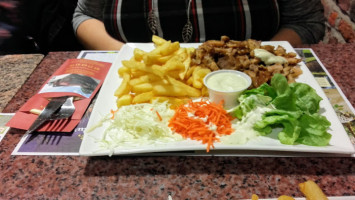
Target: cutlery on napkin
pixel 73 68
pixel 57 108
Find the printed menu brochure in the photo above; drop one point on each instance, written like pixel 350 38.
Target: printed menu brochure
pixel 80 78
pixel 53 143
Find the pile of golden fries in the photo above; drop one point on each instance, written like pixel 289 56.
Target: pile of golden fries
pixel 309 189
pixel 163 74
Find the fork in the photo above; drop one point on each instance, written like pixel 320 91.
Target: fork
pixel 65 111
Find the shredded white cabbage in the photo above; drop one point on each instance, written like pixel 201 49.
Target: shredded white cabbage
pixel 139 124
pixel 244 130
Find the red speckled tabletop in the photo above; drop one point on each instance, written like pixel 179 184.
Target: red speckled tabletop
pixel 182 177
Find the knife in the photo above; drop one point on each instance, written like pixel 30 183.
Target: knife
pixel 52 107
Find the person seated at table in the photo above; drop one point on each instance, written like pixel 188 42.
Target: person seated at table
pixel 108 24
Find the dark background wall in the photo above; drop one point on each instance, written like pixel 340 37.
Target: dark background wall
pixel 37 26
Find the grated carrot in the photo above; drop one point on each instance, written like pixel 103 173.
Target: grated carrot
pixel 160 118
pixel 194 120
pixel 113 113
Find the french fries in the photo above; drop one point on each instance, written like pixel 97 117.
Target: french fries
pixel 124 88
pixel 158 41
pixel 309 189
pixel 163 74
pixel 285 197
pixel 143 97
pixel 312 191
pixel 124 100
pixel 175 102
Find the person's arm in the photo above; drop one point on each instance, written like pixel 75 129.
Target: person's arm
pixel 92 35
pixel 287 34
pixel 89 28
pixel 302 18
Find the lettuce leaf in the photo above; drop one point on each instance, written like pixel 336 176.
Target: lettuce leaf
pixel 314 130
pixel 249 103
pixel 264 89
pixel 281 118
pixel 294 96
pixel 295 110
pixel 307 98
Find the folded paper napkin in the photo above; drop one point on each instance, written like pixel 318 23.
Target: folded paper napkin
pixel 81 78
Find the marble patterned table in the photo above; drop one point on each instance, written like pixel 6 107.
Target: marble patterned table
pixel 15 69
pixel 182 177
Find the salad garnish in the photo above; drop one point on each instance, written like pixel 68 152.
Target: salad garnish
pixel 293 107
pixel 139 124
pixel 203 121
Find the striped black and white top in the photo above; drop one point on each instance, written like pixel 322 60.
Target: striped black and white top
pixel 201 20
